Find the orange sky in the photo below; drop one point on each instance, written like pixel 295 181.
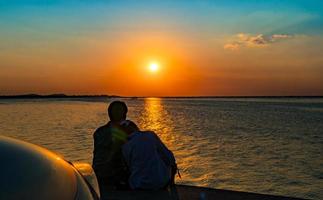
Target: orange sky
pixel 198 56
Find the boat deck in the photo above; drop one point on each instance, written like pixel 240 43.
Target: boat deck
pixel 184 192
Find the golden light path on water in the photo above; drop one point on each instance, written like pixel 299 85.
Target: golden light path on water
pixel 156 119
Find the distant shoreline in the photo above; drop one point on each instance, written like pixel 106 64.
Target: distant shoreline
pixel 54 96
pixel 64 96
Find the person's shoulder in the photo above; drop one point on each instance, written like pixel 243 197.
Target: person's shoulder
pixel 150 134
pixel 101 129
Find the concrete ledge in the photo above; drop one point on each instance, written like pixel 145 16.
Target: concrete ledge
pixel 184 192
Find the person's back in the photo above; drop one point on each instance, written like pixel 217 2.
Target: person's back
pixel 149 161
pixel 107 156
pixel 108 161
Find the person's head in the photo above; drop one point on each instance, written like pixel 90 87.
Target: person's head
pixel 117 111
pixel 129 126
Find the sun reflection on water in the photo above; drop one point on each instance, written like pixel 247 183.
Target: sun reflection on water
pixel 156 118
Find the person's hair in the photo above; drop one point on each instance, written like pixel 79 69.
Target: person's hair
pixel 117 111
pixel 129 126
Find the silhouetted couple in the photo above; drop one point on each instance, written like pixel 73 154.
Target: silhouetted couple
pixel 126 158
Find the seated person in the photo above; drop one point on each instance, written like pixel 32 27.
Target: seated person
pixel 151 165
pixel 108 164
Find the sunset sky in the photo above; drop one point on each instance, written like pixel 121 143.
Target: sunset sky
pixel 200 48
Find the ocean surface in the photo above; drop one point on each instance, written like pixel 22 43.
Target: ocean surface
pixel 264 145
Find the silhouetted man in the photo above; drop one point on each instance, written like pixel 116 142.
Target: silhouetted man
pixel 107 155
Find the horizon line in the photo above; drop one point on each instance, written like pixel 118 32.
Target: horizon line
pixel 38 96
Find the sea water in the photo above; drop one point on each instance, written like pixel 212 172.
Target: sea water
pixel 263 145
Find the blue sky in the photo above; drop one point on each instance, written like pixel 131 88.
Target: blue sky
pixel 301 17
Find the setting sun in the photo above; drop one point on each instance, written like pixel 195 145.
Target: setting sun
pixel 153 67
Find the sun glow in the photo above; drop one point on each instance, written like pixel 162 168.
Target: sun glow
pixel 153 67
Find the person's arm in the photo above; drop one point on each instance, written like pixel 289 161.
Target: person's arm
pixel 168 158
pixel 165 153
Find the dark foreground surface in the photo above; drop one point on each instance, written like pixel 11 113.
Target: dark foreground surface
pixel 183 192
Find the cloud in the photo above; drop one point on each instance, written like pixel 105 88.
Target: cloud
pixel 280 36
pixel 250 41
pixel 232 46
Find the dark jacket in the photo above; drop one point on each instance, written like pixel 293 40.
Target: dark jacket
pixel 108 161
